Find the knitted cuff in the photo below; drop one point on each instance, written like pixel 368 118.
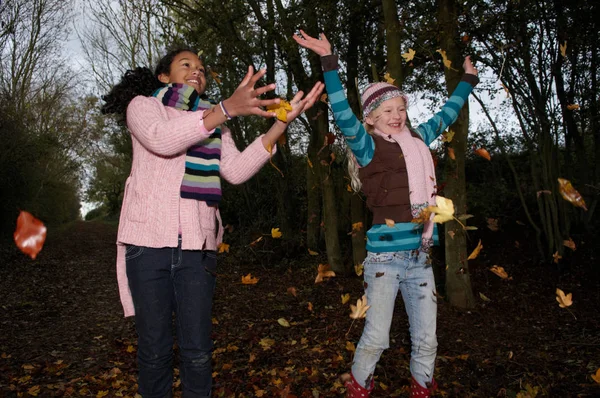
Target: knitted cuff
pixel 329 62
pixel 471 79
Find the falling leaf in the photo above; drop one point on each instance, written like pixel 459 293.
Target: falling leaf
pixel 390 223
pixel 451 153
pixel 505 89
pixel 570 194
pixel 492 224
pixel 309 163
pixel 564 301
pixel 324 271
pixel 254 242
pixel 444 211
pixel 483 153
pixel 563 49
pixel 556 257
pixel 360 310
pixel 499 271
pixel 30 234
pixel 310 306
pixel 130 349
pixel 270 150
pixel 283 322
pixel 359 268
pixel 313 253
pixel 215 76
pixel 330 138
pixel 447 62
pixel 423 217
pixel 451 233
pixel 292 290
pixel 345 298
pixel 388 78
pixel 410 55
pixel 357 226
pixel 570 244
pixel 484 297
pixel 323 98
pixel 596 377
pixel 281 140
pixel 349 188
pixel 573 107
pixel 223 247
pixel 475 252
pixel 350 346
pixel 275 233
pixel 447 136
pixel 249 280
pixel 281 109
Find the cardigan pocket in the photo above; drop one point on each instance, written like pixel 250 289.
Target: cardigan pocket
pixel 137 210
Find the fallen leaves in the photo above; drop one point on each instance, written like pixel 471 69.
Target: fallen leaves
pixel 30 234
pixel 360 309
pixel 249 280
pixel 570 194
pixel 359 269
pixel 564 301
pixel 345 298
pixel 283 322
pixel 324 271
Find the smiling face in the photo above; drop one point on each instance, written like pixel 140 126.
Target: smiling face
pixel 186 68
pixel 389 117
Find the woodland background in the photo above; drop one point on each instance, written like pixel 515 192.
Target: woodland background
pixel 535 111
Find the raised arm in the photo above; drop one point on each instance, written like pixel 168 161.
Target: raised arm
pixel 435 126
pixel 358 140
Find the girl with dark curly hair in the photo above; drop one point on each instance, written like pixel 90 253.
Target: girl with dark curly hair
pixel 170 226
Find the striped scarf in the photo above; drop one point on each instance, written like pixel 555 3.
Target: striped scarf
pixel 201 180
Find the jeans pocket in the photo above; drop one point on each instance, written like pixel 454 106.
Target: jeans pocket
pixel 133 251
pixel 379 258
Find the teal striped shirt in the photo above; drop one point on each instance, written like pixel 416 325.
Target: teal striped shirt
pixel 402 236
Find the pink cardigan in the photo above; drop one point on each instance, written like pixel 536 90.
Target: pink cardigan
pixel 153 213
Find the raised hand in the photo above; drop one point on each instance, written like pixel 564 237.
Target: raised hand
pixel 244 101
pixel 300 104
pixel 322 47
pixel 468 66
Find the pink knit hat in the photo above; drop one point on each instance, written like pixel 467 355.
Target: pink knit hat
pixel 376 93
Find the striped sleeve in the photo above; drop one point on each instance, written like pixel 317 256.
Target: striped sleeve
pixel 435 126
pixel 361 143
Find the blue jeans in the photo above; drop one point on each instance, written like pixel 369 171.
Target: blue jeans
pixel 385 274
pixel 163 281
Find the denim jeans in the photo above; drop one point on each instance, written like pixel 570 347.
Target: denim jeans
pixel 163 281
pixel 411 273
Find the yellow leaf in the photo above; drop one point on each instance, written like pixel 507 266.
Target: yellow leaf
pixel 350 346
pixel 259 393
pixel 215 76
pixel 388 78
pixel 447 62
pixel 563 49
pixel 349 188
pixel 596 377
pixel 323 271
pixel 476 251
pixel 359 268
pixel 34 391
pixel 570 194
pixel 570 244
pixel 309 163
pixel 573 107
pixel 360 309
pixel 410 55
pixel 275 233
pixel 223 247
pixel 249 280
pixel 564 301
pixel 130 349
pixel 312 253
pixel 444 211
pixel 384 387
pixel 283 322
pixel 281 109
pixel 102 394
pixel 447 136
pixel 357 226
pixel 484 297
pixel 345 298
pixel 266 343
pixel 390 223
pixel 499 271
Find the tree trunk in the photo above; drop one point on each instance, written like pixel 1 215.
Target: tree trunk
pixel 393 39
pixel 458 281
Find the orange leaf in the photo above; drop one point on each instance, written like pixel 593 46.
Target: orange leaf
pixel 249 280
pixel 313 253
pixel 573 107
pixel 292 290
pixel 570 244
pixel 30 234
pixel 564 301
pixel 563 48
pixel 309 163
pixel 423 217
pixel 324 271
pixel 499 271
pixel 389 222
pixel 275 233
pixel 215 76
pixel 360 309
pixel 357 226
pixel 223 247
pixel 475 252
pixel 451 153
pixel 570 194
pixel 556 257
pixel 596 377
pixel 323 98
pixel 483 153
pixel 410 55
pixel 350 346
pixel 310 306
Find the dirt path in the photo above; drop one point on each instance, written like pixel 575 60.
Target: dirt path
pixel 62 332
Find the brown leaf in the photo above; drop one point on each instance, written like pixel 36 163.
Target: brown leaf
pixel 249 280
pixel 570 194
pixel 324 271
pixel 30 234
pixel 492 224
pixel 292 290
pixel 499 271
pixel 570 244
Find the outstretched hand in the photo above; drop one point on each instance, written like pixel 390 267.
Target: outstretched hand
pixel 300 104
pixel 322 47
pixel 468 66
pixel 244 101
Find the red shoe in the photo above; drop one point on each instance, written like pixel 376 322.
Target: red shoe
pixel 353 389
pixel 418 391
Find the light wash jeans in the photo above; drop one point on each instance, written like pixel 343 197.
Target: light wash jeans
pixel 385 273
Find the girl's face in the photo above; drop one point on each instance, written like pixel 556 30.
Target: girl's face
pixel 389 117
pixel 186 68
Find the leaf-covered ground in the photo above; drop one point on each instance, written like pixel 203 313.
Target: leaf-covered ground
pixel 62 333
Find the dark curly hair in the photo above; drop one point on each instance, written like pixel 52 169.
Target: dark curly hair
pixel 139 81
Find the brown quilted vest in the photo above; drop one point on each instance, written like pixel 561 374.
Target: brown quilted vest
pixel 385 183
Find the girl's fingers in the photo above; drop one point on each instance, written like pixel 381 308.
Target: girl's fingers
pixel 257 76
pixel 264 89
pixel 248 76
